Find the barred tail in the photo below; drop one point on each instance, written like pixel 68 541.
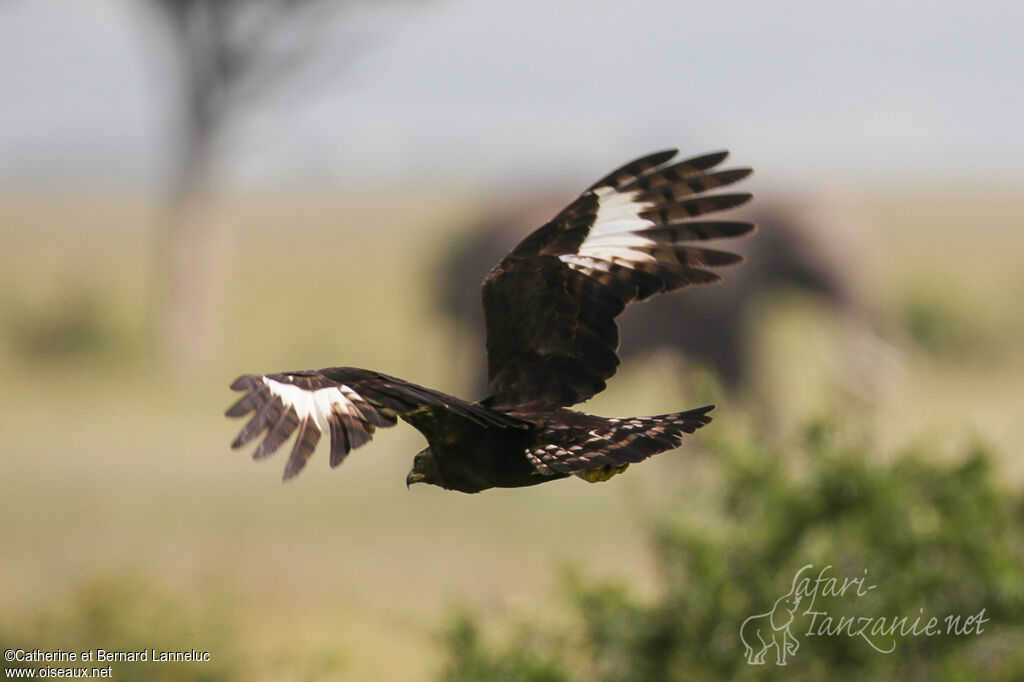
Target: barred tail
pixel 605 447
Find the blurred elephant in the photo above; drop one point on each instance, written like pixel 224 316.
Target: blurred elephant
pixel 710 325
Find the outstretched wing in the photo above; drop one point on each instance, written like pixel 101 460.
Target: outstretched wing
pixel 347 402
pixel 595 448
pixel 551 304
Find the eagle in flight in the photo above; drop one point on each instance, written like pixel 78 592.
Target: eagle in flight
pixel 550 308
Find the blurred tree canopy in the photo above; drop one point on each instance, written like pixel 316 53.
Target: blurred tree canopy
pixel 934 539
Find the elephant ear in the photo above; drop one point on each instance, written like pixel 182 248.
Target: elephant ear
pixel 781 607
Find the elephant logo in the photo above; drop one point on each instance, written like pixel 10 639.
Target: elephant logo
pixel 763 631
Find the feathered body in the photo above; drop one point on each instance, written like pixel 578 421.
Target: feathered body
pixel 550 308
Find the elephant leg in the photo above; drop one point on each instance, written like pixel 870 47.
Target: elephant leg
pixel 780 648
pixel 764 648
pixel 792 643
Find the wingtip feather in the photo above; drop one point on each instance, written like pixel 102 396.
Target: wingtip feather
pixel 708 160
pixel 244 382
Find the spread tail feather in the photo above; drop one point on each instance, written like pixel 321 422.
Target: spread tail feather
pixel 598 450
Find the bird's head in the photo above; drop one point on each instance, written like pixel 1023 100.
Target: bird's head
pixel 424 469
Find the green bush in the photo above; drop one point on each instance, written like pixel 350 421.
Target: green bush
pixel 934 540
pixel 74 326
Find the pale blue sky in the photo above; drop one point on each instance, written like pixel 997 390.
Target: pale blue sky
pixel 482 86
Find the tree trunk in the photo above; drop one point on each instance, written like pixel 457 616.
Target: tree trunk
pixel 191 256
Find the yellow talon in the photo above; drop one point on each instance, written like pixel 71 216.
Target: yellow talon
pixel 602 474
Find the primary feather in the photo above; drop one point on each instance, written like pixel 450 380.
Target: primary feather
pixel 550 305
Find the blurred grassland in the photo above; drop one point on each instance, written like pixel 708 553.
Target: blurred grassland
pixel 123 506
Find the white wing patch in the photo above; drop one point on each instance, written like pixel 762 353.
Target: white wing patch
pixel 614 237
pixel 318 405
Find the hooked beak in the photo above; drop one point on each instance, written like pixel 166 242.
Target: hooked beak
pixel 414 477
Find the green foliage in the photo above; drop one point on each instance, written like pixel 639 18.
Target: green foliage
pixel 933 539
pixel 528 658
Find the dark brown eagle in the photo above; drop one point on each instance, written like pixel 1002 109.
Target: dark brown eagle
pixel 550 308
